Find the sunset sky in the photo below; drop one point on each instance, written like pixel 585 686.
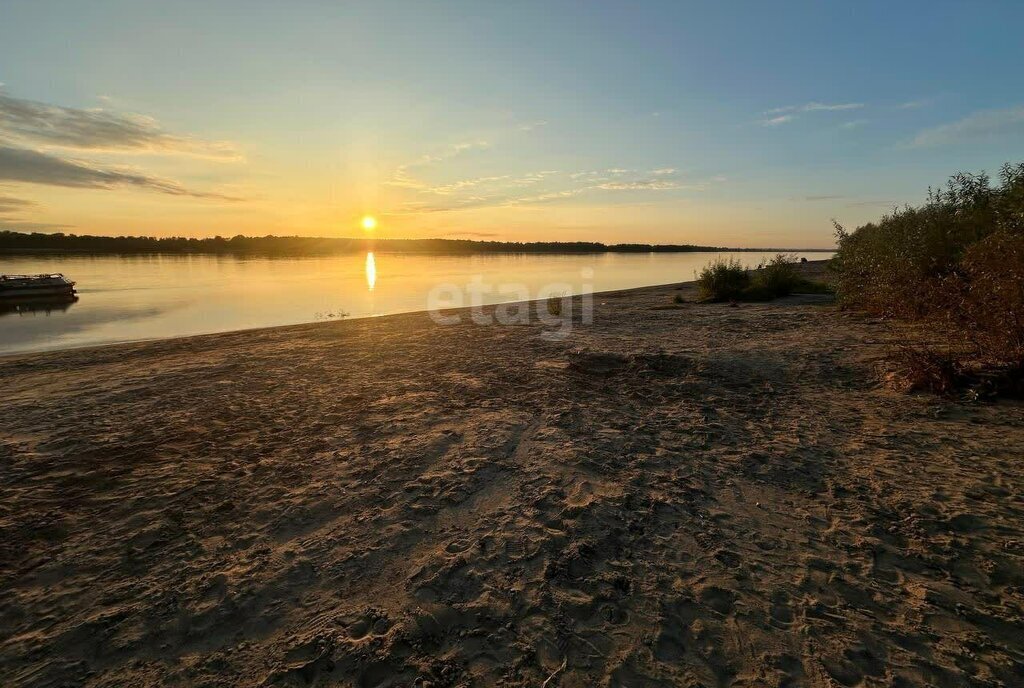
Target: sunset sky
pixel 724 123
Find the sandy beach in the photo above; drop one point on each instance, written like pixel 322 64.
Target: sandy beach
pixel 675 495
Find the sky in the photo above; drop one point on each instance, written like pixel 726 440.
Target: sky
pixel 747 124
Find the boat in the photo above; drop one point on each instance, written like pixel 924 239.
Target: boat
pixel 30 286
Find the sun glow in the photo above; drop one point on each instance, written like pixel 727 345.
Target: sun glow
pixel 369 223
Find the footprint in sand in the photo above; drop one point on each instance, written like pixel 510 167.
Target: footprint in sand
pixel 717 599
pixel 781 610
pixel 728 558
pixel 372 622
pixel 456 546
pixel 613 614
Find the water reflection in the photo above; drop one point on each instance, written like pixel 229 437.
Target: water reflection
pixel 145 297
pixel 371 271
pixel 37 305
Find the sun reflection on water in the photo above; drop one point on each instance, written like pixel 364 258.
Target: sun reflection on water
pixel 371 271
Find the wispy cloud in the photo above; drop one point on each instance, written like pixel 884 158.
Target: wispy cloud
pixel 10 204
pixel 530 126
pixel 29 226
pixel 461 185
pixel 825 197
pixel 566 186
pixel 987 124
pixel 641 184
pixel 403 178
pixel 42 124
pixel 914 104
pixel 815 107
pixel 11 210
pixel 787 113
pixel 853 124
pixel 476 235
pixel 522 188
pixel 824 107
pixel 36 167
pixel 864 204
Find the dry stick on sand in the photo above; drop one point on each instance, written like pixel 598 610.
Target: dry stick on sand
pixel 557 671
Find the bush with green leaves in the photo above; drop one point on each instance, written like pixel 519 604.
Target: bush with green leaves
pixel 955 263
pixel 778 276
pixel 728 280
pixel 724 279
pixel 893 267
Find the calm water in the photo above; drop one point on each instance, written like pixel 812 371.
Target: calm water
pixel 146 297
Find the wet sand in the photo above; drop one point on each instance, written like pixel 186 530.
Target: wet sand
pixel 676 495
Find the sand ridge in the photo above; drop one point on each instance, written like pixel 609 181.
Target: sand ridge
pixel 677 494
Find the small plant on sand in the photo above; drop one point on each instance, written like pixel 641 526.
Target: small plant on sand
pixel 723 280
pixel 331 315
pixel 928 369
pixel 554 303
pixel 678 298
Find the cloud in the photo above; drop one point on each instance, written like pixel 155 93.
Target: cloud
pixel 862 204
pixel 641 184
pixel 10 204
pixel 548 196
pixel 815 107
pixel 23 226
pixel 664 171
pixel 100 130
pixel 823 198
pixel 402 177
pixel 453 187
pixel 36 167
pixel 478 235
pixel 987 124
pixel 853 124
pixel 788 113
pixel 504 198
pixel 10 211
pixel 914 104
pixel 533 125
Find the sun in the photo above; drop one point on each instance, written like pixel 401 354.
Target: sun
pixel 369 223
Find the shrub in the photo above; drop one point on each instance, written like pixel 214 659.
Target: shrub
pixel 895 266
pixel 927 369
pixel 986 298
pixel 727 280
pixel 722 280
pixel 956 265
pixel 778 276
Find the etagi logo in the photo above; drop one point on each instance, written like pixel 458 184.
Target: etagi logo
pixel 551 304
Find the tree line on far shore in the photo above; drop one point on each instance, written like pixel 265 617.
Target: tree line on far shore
pixel 296 246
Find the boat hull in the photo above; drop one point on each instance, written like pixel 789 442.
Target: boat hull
pixel 28 292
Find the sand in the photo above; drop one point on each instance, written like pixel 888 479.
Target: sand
pixel 675 495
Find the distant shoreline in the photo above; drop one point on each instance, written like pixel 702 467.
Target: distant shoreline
pixel 19 243
pixel 87 252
